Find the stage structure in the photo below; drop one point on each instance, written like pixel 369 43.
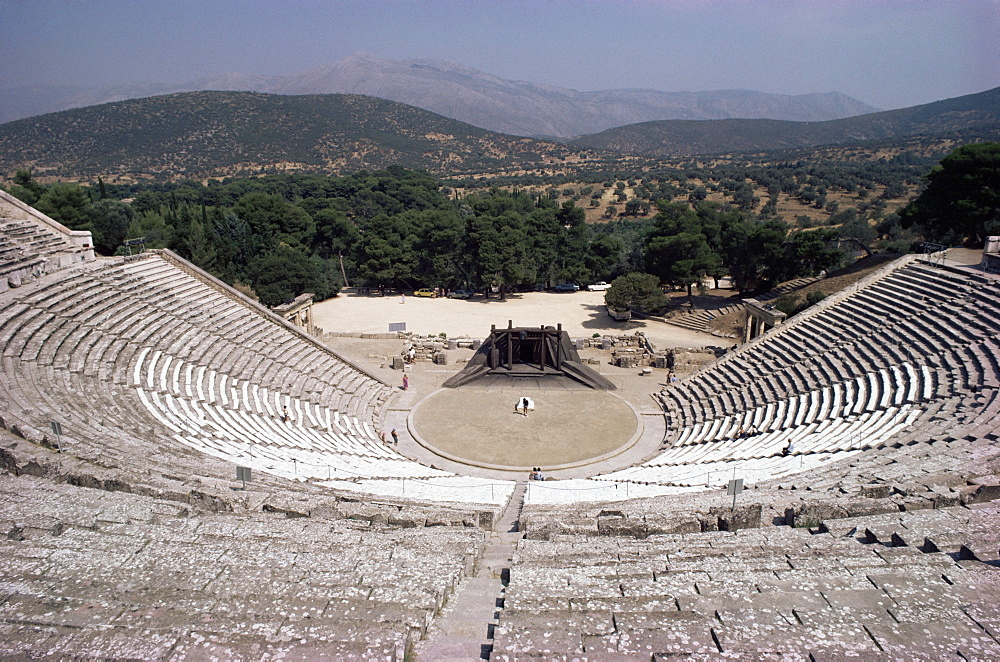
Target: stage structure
pixel 528 352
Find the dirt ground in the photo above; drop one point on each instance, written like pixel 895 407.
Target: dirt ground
pixel 582 315
pixel 566 427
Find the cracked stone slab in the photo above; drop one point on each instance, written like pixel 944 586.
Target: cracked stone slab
pixel 934 640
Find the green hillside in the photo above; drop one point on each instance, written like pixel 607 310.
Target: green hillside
pixel 972 116
pixel 205 134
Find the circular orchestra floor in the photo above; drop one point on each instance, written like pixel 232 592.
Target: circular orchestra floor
pixel 568 427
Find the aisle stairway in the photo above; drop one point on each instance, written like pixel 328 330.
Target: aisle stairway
pixel 465 629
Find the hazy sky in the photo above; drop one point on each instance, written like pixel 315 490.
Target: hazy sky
pixel 888 54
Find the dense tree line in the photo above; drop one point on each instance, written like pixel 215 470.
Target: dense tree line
pixel 282 235
pixel 686 245
pixel 962 199
pixel 285 234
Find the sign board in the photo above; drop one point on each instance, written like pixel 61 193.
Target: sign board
pixel 735 486
pixel 57 431
pixel 243 474
pixel 397 326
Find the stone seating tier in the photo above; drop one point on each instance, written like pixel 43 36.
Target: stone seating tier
pixel 881 378
pixel 91 573
pixel 870 587
pixel 216 383
pixel 29 249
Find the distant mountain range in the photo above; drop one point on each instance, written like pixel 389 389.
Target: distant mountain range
pixel 975 115
pixel 468 95
pixel 217 134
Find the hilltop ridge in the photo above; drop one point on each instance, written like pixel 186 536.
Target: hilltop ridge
pixel 215 134
pixel 974 112
pixel 466 94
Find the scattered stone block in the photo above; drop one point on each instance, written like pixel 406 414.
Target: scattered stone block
pixel 742 517
pixel 875 491
pixel 981 494
pixel 812 514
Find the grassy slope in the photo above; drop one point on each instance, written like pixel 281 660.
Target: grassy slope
pixel 200 134
pixel 978 112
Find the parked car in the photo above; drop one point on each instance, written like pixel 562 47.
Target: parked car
pixel 599 286
pixel 620 315
pixel 567 287
pixel 461 294
pixel 426 292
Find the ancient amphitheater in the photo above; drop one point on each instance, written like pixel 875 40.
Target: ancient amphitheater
pixel 127 535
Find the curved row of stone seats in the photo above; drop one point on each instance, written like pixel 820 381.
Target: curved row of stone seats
pixel 817 346
pixel 92 574
pixel 761 457
pixel 821 351
pixel 829 387
pixel 32 244
pixel 248 425
pixel 934 474
pixel 165 361
pixel 926 586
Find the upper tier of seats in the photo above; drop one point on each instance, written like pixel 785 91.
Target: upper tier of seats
pixel 32 244
pixel 909 358
pixel 145 360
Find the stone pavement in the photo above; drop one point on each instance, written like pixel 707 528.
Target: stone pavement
pixel 93 574
pixel 881 587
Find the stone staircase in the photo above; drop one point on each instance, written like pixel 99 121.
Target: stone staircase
pixel 466 627
pixel 698 319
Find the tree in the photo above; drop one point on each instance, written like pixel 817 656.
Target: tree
pixel 65 203
pixel 385 254
pixel 962 198
pixel 275 220
pixel 199 247
pixel 637 291
pixel 335 233
pixel 439 245
pixel 754 254
pixel 109 221
pixel 235 244
pixel 681 260
pixel 605 252
pixel 283 274
pixel 25 188
pixel 154 229
pixel 574 235
pixel 813 252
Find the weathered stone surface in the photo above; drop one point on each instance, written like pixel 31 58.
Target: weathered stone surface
pixel 934 640
pixel 866 508
pixel 209 502
pixel 987 551
pixel 812 514
pixel 982 494
pixel 875 491
pixel 671 525
pixel 743 517
pixel 7 461
pixel 620 525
